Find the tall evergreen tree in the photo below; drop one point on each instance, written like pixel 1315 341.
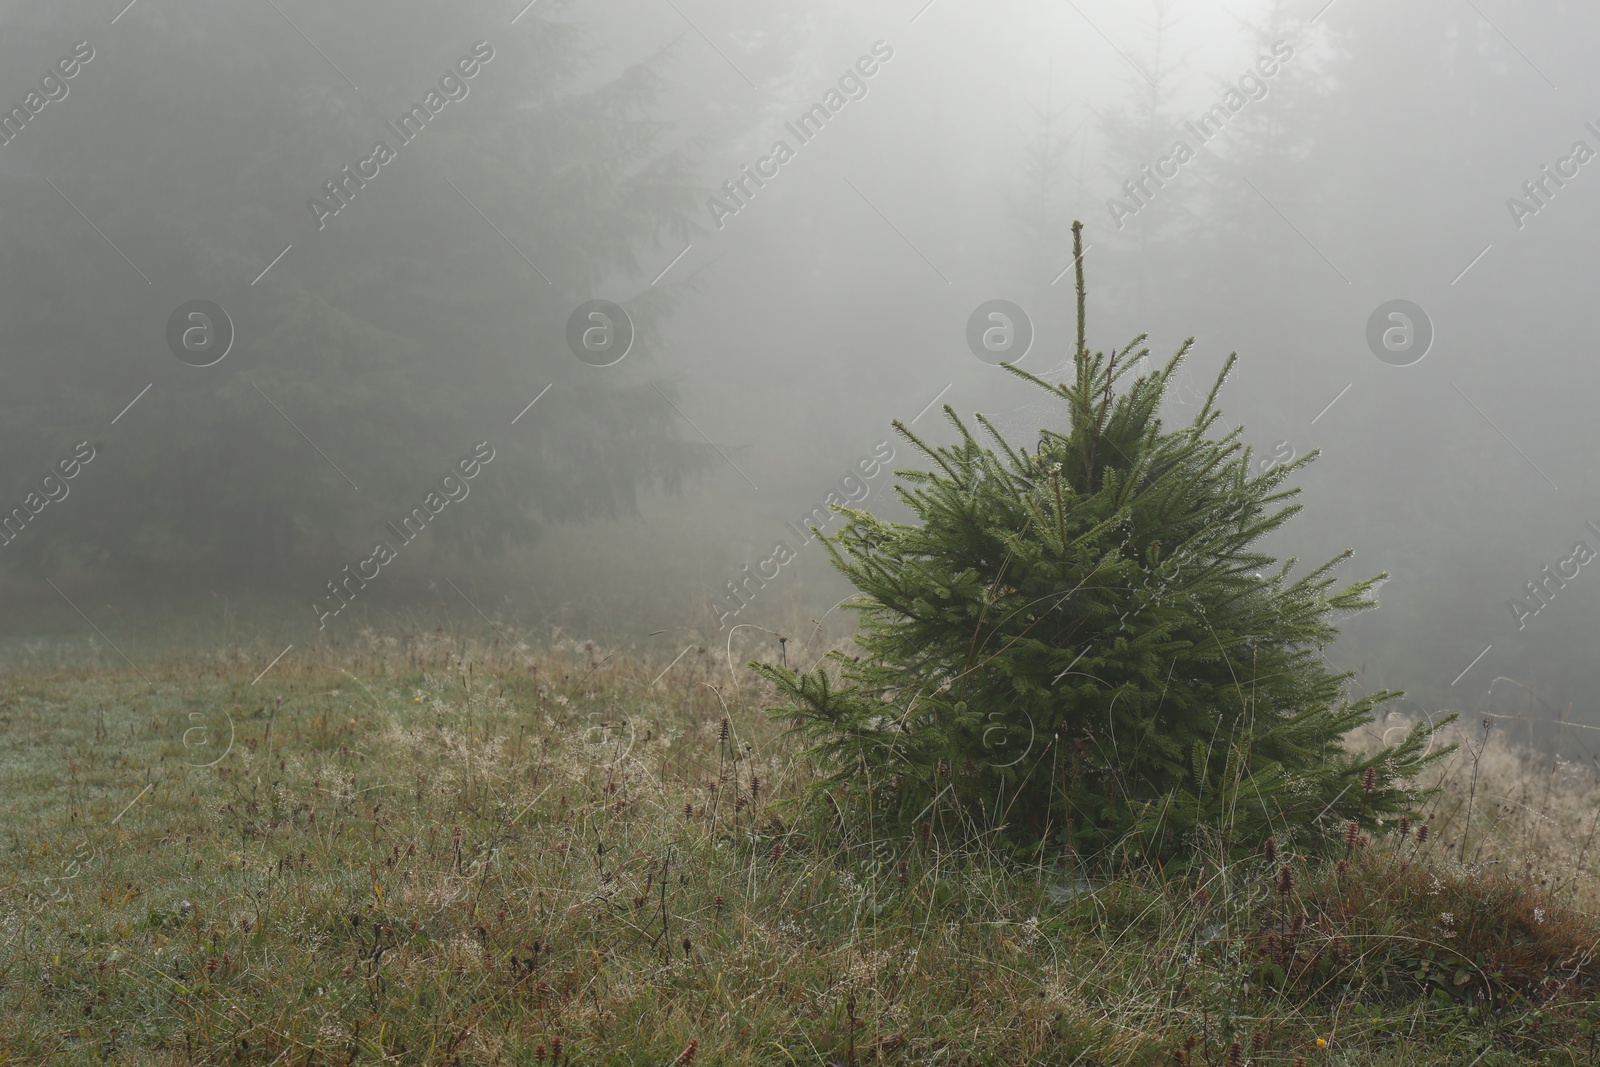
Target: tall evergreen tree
pixel 1039 209
pixel 1136 132
pixel 1079 639
pixel 394 337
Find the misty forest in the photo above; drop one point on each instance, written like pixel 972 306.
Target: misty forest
pixel 656 532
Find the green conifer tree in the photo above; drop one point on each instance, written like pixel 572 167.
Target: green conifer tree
pixel 1079 643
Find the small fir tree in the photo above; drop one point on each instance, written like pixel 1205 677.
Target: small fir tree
pixel 1078 644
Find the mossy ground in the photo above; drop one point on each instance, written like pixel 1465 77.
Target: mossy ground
pixel 429 852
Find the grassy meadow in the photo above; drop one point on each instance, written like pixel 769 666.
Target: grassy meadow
pixel 430 850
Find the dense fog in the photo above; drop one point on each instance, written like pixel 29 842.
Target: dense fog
pixel 572 317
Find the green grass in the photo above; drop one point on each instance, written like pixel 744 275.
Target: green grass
pixel 432 853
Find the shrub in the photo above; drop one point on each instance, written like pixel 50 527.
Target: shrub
pixel 1078 643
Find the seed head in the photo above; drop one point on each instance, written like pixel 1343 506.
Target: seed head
pixel 1285 881
pixel 690 1051
pixel 717 902
pixel 755 787
pixel 726 727
pixel 1422 834
pixel 1369 779
pixel 1405 827
pixel 1235 1055
pixel 1269 851
pixel 1352 830
pixel 555 1048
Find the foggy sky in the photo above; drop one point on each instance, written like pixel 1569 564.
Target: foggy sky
pixel 1383 158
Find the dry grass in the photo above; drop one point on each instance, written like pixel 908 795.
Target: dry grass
pixel 434 851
